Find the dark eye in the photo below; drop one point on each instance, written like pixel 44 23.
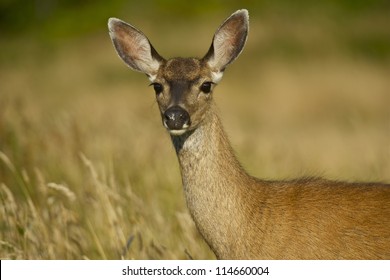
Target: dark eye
pixel 158 88
pixel 206 87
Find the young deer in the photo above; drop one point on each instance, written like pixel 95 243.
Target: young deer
pixel 239 216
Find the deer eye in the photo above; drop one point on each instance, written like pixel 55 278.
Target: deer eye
pixel 206 87
pixel 158 88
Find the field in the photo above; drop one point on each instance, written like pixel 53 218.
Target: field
pixel 87 171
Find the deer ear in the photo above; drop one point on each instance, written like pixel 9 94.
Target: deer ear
pixel 228 41
pixel 134 47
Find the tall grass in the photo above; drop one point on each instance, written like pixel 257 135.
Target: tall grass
pixel 88 172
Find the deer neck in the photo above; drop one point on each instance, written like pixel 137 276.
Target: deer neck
pixel 213 180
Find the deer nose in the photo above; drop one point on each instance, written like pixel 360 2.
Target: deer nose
pixel 176 118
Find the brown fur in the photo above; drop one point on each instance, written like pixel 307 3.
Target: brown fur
pixel 242 217
pixel 239 216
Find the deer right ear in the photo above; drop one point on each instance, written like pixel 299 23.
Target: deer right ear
pixel 134 48
pixel 228 41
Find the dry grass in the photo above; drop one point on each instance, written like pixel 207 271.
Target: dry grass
pixel 88 172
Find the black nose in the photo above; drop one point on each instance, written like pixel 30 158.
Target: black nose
pixel 176 118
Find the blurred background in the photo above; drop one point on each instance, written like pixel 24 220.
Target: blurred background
pixel 88 172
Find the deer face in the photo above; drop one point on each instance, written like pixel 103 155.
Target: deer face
pixel 183 86
pixel 183 89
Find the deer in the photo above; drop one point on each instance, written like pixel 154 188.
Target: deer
pixel 240 216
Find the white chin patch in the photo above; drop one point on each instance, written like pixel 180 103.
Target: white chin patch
pixel 177 132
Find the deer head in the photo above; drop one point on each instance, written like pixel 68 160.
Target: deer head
pixel 183 86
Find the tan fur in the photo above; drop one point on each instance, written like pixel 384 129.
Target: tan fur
pixel 239 216
pixel 188 69
pixel 242 217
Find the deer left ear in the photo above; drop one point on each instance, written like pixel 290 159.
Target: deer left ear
pixel 228 41
pixel 134 47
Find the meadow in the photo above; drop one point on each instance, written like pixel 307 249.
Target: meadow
pixel 87 171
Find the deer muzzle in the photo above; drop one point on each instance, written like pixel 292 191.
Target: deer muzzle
pixel 176 120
